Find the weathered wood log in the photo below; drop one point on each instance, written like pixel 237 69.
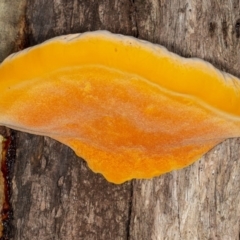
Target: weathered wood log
pixel 2 195
pixel 56 196
pixel 202 201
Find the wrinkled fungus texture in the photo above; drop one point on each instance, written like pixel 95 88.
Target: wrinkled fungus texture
pixel 130 108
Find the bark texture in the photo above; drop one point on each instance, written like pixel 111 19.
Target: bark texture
pixel 2 195
pixel 11 23
pixel 202 201
pixel 56 196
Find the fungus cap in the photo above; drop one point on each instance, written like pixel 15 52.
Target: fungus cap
pixel 130 108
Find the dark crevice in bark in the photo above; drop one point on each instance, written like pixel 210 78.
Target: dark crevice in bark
pixel 9 156
pixel 20 42
pixel 130 212
pixel 133 16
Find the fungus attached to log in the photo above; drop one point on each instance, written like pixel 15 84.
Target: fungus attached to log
pixel 130 108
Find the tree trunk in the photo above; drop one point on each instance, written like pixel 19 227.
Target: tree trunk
pixel 56 196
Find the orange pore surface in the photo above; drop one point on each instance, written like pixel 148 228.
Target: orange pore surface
pixel 131 109
pixel 124 126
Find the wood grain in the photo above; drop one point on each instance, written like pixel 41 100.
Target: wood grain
pixel 202 201
pixel 11 23
pixel 2 195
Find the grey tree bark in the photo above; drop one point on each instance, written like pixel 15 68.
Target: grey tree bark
pixel 56 196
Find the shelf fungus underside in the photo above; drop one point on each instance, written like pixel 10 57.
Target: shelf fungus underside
pixel 130 108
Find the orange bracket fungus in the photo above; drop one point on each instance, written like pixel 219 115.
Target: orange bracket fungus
pixel 130 108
